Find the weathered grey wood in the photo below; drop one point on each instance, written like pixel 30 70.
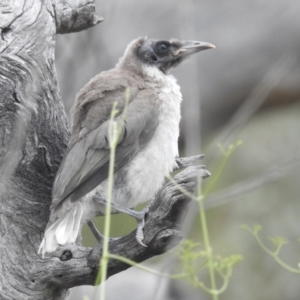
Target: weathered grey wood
pixel 183 162
pixel 75 15
pixel 33 137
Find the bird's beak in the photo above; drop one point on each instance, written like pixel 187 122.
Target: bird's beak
pixel 190 47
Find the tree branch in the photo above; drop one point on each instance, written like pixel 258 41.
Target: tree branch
pixel 73 16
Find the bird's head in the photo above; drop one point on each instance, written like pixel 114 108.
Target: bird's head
pixel 166 54
pixel 163 54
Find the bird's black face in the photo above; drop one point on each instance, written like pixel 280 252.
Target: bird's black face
pixel 168 54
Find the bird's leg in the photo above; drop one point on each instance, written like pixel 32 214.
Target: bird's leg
pixel 138 215
pixel 98 236
pixel 184 162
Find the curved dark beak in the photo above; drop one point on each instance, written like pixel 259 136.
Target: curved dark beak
pixel 189 47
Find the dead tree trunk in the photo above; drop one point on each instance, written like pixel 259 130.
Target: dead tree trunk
pixel 33 137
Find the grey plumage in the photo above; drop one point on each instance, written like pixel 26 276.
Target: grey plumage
pixel 147 145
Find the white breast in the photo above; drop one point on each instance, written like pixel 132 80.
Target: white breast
pixel 149 168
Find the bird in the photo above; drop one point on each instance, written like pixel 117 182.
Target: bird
pixel 148 101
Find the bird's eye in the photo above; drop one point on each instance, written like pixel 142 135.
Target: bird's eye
pixel 162 47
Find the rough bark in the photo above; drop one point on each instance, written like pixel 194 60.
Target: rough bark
pixel 33 137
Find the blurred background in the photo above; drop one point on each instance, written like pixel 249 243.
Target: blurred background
pixel 248 89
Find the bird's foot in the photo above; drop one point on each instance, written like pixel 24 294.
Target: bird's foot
pixel 138 215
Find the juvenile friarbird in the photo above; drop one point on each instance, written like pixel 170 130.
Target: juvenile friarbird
pixel 147 146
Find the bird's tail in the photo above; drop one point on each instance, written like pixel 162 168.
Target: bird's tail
pixel 64 230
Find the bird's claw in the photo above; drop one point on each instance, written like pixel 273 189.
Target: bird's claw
pixel 139 232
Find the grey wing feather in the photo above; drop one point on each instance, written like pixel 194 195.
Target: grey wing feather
pixel 85 164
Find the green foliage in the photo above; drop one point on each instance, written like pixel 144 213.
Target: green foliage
pixel 277 242
pixel 194 258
